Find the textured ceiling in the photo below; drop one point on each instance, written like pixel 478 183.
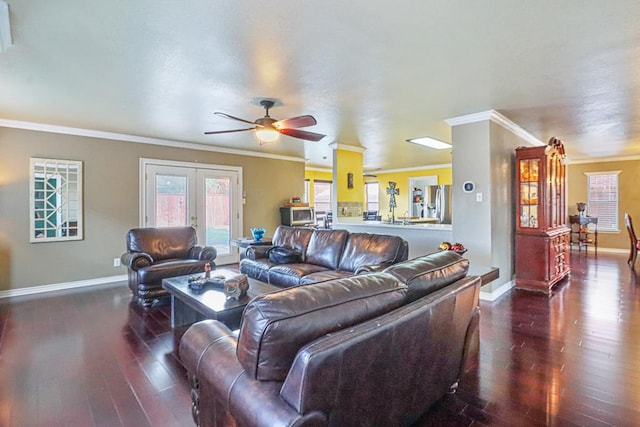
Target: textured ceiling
pixel 373 73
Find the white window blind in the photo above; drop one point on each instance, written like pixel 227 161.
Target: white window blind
pixel 371 195
pixel 602 193
pixel 322 196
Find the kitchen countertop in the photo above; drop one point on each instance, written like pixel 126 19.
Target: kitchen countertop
pixel 413 226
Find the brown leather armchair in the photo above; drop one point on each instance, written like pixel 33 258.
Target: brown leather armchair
pixel 154 254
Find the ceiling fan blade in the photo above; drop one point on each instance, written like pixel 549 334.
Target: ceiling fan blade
pixel 213 132
pixel 302 134
pixel 296 122
pixel 227 116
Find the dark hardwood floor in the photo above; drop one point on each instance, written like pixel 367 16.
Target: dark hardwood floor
pixel 92 358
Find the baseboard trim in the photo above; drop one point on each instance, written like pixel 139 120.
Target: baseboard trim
pixel 61 286
pixel 609 250
pixel 496 293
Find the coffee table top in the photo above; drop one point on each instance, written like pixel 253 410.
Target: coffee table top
pixel 211 301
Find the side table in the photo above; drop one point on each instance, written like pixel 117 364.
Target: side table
pixel 582 234
pixel 242 243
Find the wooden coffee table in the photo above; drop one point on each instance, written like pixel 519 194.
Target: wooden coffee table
pixel 189 306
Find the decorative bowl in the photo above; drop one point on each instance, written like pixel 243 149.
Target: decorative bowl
pixel 258 233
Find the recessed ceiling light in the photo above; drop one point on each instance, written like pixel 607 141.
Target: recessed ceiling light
pixel 430 142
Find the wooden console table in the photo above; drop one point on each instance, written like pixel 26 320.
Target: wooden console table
pixel 581 234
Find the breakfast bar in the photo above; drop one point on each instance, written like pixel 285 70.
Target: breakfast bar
pixel 423 238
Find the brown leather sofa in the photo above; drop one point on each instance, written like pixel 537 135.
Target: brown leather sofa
pixel 154 254
pixel 325 255
pixel 372 349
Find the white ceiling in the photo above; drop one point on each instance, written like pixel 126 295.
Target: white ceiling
pixel 373 73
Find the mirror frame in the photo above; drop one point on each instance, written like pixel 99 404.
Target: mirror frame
pixel 59 181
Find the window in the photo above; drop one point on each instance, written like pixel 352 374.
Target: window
pixel 371 196
pixel 305 197
pixel 322 196
pixel 602 199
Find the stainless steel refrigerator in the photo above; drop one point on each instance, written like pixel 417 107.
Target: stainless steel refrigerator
pixel 438 203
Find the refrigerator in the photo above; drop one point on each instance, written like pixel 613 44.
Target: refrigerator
pixel 437 203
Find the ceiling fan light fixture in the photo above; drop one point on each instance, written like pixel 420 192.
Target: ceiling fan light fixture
pixel 268 129
pixel 267 135
pixel 427 141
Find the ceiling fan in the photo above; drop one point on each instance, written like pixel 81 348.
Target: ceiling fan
pixel 269 129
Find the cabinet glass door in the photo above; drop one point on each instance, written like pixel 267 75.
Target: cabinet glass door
pixel 529 199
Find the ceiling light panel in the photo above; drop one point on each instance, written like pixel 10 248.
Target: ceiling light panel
pixel 430 142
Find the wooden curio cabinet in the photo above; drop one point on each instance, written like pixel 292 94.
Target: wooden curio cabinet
pixel 542 234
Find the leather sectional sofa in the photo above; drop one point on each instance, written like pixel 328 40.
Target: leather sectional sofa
pixel 325 255
pixel 371 349
pixel 154 254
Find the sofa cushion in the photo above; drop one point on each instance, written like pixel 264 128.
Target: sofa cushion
pixel 293 237
pixel 286 275
pixel 364 249
pixel 276 325
pixel 256 268
pixel 325 247
pixel 429 273
pixel 170 268
pixel 322 276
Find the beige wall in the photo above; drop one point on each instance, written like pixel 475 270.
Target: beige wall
pixel 111 195
pixel 628 196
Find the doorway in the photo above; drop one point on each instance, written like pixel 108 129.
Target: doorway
pixel 417 192
pixel 206 197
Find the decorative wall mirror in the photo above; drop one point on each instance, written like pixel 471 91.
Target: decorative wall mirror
pixel 55 201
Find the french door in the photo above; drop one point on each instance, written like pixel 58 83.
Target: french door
pixel 206 197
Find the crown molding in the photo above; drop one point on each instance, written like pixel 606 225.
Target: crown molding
pixel 336 146
pixel 314 169
pixel 43 127
pixel 601 160
pixel 496 117
pixel 470 118
pixel 411 169
pixel 377 171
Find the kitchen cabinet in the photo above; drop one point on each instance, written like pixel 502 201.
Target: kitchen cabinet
pixel 542 233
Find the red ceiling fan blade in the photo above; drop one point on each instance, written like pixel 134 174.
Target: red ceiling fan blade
pixel 213 132
pixel 296 122
pixel 227 116
pixel 302 134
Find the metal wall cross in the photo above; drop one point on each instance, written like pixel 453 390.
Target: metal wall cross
pixel 392 191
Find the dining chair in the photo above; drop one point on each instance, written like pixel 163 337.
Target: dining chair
pixel 633 254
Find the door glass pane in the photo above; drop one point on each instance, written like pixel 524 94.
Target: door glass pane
pixel 171 201
pixel 218 213
pixel 529 193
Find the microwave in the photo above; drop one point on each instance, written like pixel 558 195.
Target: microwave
pixel 297 216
